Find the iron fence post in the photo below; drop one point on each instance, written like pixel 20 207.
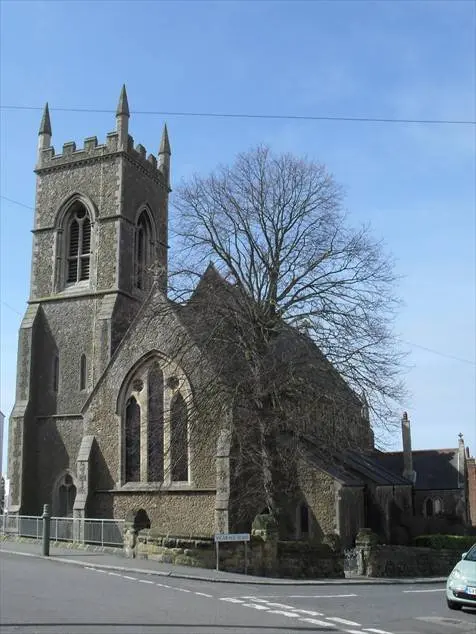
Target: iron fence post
pixel 46 530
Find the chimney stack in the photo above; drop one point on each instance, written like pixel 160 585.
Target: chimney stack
pixel 461 462
pixel 408 472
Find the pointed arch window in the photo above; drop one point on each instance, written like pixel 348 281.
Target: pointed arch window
pixel 155 432
pixel 55 373
pixel 132 441
pixel 302 521
pixel 66 497
pixel 437 506
pixel 433 506
pixel 143 251
pixel 82 373
pixel 78 244
pixel 155 427
pixel 178 439
pixel 429 507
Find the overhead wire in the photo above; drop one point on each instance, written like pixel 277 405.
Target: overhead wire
pixel 248 115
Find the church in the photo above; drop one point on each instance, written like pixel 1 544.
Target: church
pixel 113 376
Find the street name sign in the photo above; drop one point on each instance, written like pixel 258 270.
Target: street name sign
pixel 232 537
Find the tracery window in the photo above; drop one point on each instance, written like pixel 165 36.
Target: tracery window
pixel 156 427
pixel 78 244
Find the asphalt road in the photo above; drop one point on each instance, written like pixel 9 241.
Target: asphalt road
pixel 39 596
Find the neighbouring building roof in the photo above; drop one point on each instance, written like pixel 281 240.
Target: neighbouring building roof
pixel 435 468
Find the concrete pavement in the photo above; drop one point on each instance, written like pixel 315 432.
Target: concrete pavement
pixel 116 561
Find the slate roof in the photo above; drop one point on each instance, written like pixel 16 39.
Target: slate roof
pixel 371 468
pixel 435 468
pixel 209 320
pixel 316 457
pixel 351 467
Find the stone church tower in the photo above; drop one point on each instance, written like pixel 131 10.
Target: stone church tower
pixel 99 241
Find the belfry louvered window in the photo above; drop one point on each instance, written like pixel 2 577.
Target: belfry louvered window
pixel 143 252
pixel 79 245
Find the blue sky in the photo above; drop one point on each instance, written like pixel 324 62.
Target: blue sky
pixel 414 183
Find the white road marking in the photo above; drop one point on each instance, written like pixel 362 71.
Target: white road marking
pixel 162 585
pixel 130 578
pixel 145 581
pixel 316 622
pixel 256 606
pixel 353 631
pixel 257 600
pixel 231 600
pixel 375 631
pixel 204 594
pixel 337 619
pixel 280 605
pixel 89 568
pixel 182 590
pixel 284 613
pixel 320 596
pixel 309 612
pixel 114 574
pixel 432 590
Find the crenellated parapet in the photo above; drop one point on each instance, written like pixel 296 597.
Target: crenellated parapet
pixel 92 150
pixel 119 142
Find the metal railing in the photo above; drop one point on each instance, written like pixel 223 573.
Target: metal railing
pixel 103 532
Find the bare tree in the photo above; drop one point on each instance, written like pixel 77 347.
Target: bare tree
pixel 274 225
pixel 306 311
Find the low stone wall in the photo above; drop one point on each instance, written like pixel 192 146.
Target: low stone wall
pixel 302 560
pixel 170 550
pixel 265 557
pixel 406 561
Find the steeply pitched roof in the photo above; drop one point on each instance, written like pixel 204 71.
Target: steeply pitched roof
pixel 435 468
pixel 369 468
pixel 350 467
pixel 209 314
pixel 320 459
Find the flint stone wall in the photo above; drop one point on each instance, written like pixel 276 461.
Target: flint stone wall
pixel 407 561
pixel 265 557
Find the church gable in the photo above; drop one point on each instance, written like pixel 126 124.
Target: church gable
pixel 145 409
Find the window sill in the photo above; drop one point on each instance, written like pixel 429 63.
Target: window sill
pixel 76 289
